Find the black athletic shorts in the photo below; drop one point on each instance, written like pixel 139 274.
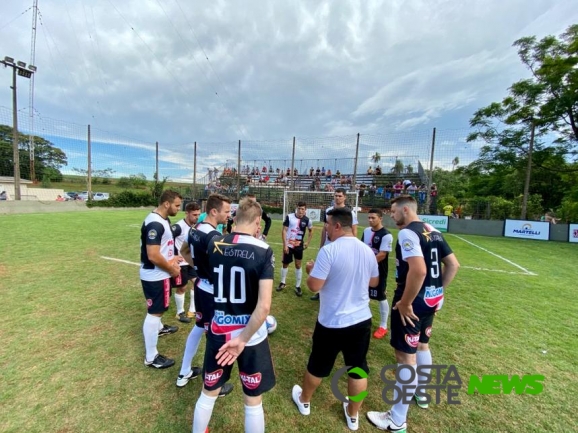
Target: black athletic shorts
pixel 406 338
pixel 255 368
pixel 293 252
pixel 182 279
pixel 205 306
pixel 192 273
pixel 352 341
pixel 157 295
pixel 378 293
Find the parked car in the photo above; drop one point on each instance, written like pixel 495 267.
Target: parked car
pixel 71 195
pixel 97 196
pixel 83 195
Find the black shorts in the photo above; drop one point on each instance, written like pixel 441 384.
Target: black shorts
pixel 192 273
pixel 352 341
pixel 157 294
pixel 406 338
pixel 378 293
pixel 183 278
pixel 205 306
pixel 293 252
pixel 255 368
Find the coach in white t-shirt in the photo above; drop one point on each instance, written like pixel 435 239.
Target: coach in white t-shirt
pixel 343 271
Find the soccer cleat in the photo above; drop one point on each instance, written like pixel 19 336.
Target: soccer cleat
pixel 352 421
pixel 298 291
pixel 191 314
pixel 421 401
pixel 183 317
pixel 168 330
pixel 315 297
pixel 280 287
pixel 304 408
pixel 380 333
pixel 182 380
pixel 383 421
pixel 226 389
pixel 160 362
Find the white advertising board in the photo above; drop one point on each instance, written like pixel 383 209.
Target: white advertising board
pixel 573 235
pixel 439 222
pixel 527 229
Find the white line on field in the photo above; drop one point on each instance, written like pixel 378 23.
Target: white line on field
pixel 496 270
pixel 527 272
pixel 120 260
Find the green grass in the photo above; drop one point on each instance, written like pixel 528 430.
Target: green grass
pixel 72 350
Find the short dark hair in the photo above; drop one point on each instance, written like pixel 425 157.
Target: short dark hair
pixel 301 204
pixel 170 196
pixel 376 211
pixel 342 216
pixel 191 206
pixel 341 190
pixel 404 200
pixel 215 201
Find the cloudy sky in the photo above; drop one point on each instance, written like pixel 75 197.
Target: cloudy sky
pixel 217 71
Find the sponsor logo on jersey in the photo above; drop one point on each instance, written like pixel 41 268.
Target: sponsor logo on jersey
pixel 250 381
pixel 226 323
pixel 412 340
pixel 237 252
pixel 149 303
pixel 376 239
pixel 152 234
pixel 428 331
pixel 407 245
pixel 213 377
pixel 433 295
pixel 198 316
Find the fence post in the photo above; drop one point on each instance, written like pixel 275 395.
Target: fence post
pixel 239 172
pixel 89 168
pixel 195 170
pixel 430 176
pixel 354 181
pixel 157 161
pixel 293 166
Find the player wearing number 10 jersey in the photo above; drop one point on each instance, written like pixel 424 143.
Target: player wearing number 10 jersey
pixel 419 253
pixel 242 275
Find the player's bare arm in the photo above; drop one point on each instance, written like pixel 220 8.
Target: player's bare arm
pixel 309 238
pixel 157 259
pixel 373 281
pixel 229 351
pixel 314 284
pixel 185 253
pixel 415 278
pixel 323 237
pixel 354 229
pixel 451 266
pixel 284 237
pixel 381 256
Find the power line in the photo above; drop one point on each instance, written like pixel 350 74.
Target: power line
pixel 14 19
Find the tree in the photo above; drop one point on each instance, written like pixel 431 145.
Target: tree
pixel 409 169
pixel 455 162
pixel 375 158
pixel 398 167
pixel 47 159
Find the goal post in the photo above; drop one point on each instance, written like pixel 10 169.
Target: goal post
pixel 317 202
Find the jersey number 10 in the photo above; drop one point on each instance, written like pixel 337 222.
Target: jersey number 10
pixel 233 299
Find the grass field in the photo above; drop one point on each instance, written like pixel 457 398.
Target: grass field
pixel 72 347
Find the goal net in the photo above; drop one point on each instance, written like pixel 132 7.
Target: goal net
pixel 317 202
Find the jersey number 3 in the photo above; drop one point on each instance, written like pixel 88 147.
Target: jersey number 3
pixel 435 264
pixel 233 298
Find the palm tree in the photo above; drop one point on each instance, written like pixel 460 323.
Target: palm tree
pixel 455 162
pixel 376 158
pixel 409 169
pixel 398 167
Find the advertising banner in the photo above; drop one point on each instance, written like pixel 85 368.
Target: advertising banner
pixel 440 222
pixel 573 235
pixel 527 229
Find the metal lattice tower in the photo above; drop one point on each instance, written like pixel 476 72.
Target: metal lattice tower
pixel 31 91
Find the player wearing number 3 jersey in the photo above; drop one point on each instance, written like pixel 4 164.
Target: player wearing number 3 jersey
pixel 420 252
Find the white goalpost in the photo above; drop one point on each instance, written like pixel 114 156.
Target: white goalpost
pixel 317 202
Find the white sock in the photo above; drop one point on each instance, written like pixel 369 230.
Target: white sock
pixel 384 313
pixel 191 347
pixel 254 419
pixel 180 302
pixel 150 330
pixel 298 276
pixel 203 412
pixel 424 358
pixel 284 272
pixel 192 307
pixel 399 410
pixel 161 326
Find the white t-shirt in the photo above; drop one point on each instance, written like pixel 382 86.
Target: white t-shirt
pixel 346 265
pixel 181 235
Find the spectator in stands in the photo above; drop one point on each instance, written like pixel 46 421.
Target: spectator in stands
pixel 370 170
pixel 288 172
pixel 338 173
pixel 397 189
pixel 295 172
pixel 311 171
pixel 328 177
pixel 323 171
pixel 433 206
pixel 406 184
pixel 378 170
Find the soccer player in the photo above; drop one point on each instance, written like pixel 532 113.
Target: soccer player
pixel 294 228
pixel 380 240
pixel 419 252
pixel 195 253
pixel 339 202
pixel 158 265
pixel 181 231
pixel 243 270
pixel 343 271
pixel 264 217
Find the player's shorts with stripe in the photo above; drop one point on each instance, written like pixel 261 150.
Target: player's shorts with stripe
pixel 352 341
pixel 157 295
pixel 378 293
pixel 296 252
pixel 406 338
pixel 205 306
pixel 183 278
pixel 255 368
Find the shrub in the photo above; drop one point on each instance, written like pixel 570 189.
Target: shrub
pixel 126 199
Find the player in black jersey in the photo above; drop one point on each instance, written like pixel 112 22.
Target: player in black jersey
pixel 264 217
pixel 419 253
pixel 195 253
pixel 243 269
